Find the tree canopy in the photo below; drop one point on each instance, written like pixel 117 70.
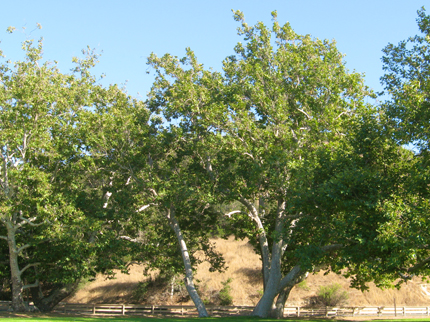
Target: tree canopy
pixel 279 147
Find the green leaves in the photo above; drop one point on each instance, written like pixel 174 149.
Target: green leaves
pixel 406 80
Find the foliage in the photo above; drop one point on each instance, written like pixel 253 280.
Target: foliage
pixel 330 295
pixel 405 235
pixel 257 131
pixel 406 80
pixel 224 294
pixel 51 184
pixel 303 285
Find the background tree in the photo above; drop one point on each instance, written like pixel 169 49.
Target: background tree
pixel 259 127
pixel 39 107
pixel 406 81
pixel 54 238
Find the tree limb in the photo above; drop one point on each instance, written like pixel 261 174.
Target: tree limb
pixel 289 279
pixel 27 267
pixel 418 265
pixel 145 207
pixel 35 284
pixel 264 244
pixel 232 213
pixel 22 248
pixel 308 116
pixel 28 221
pixel 133 240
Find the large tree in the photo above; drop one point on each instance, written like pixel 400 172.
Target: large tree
pixel 407 85
pixel 258 127
pixel 53 237
pixel 144 180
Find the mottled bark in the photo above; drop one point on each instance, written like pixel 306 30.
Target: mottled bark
pixel 189 284
pixel 278 310
pixel 18 304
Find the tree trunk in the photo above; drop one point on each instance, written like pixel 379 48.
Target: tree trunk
pixel 278 310
pixel 187 264
pixel 272 285
pixel 59 293
pixel 18 304
pixel 265 305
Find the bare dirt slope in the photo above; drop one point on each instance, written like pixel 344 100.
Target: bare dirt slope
pixel 244 269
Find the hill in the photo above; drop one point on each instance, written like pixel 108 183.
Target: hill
pixel 244 269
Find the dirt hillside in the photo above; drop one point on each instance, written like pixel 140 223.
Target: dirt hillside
pixel 244 269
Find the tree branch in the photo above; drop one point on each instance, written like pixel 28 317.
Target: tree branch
pixel 28 221
pixel 133 240
pixel 264 244
pixel 22 248
pixel 35 284
pixel 308 116
pixel 232 213
pixel 145 207
pixel 3 237
pixel 289 279
pixel 418 265
pixel 27 267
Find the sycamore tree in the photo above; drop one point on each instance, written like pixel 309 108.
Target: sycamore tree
pixel 407 83
pixel 142 188
pixel 257 128
pixel 351 191
pixel 54 240
pixel 38 110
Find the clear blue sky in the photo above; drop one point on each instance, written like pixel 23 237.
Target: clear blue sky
pixel 127 31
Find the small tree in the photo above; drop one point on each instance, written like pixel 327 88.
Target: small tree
pixel 330 295
pixel 224 294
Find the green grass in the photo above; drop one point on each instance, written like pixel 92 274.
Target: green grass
pixel 155 319
pixel 143 319
pixel 135 319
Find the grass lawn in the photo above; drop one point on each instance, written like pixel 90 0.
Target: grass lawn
pixel 28 318
pixel 45 318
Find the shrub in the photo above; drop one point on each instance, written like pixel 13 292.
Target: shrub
pixel 330 295
pixel 224 294
pixel 303 285
pixel 140 291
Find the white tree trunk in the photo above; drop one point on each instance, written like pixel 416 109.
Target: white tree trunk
pixel 18 304
pixel 187 264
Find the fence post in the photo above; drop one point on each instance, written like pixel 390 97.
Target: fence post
pixel 94 309
pixel 298 311
pixel 404 311
pixel 428 311
pixel 152 309
pixel 379 311
pixel 123 309
pixel 326 311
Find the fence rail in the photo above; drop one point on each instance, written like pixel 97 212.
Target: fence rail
pixel 135 309
pixel 190 310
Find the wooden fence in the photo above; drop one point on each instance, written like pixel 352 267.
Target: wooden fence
pixel 135 309
pixel 190 310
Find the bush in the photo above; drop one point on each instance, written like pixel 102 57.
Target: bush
pixel 139 293
pixel 330 295
pixel 224 294
pixel 303 285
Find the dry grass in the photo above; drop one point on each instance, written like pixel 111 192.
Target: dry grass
pixel 244 268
